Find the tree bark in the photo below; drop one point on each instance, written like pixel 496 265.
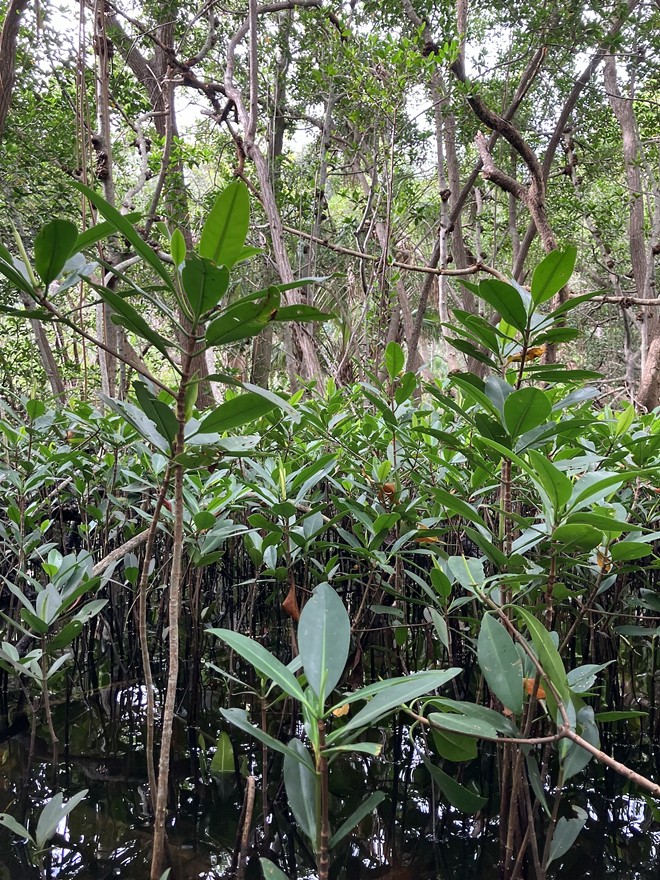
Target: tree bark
pixel 8 38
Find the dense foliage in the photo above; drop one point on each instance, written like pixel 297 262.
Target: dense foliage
pixel 439 539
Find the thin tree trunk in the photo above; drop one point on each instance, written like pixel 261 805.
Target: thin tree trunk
pixel 8 38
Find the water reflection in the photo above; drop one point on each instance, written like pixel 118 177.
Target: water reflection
pixel 413 835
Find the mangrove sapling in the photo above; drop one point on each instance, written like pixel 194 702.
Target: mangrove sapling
pixel 324 631
pixel 199 282
pixel 53 813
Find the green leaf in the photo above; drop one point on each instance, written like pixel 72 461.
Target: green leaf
pixel 243 320
pixel 468 571
pixel 575 759
pixel 454 746
pixel 129 317
pixel 226 226
pixel 557 485
pixel 145 427
pixel 99 232
pixel 223 760
pixel 234 413
pixel 625 551
pixel 324 635
pixel 52 248
pixel 300 312
pixel 52 814
pixel 271 871
pixel 238 717
pixel 366 807
pixel 458 796
pixel 465 724
pixel 626 715
pixel 302 789
pixel 547 654
pixel 594 487
pixel 10 823
pixel 582 678
pixel 551 274
pixel 500 663
pixel 394 359
pixel 263 661
pixel 565 834
pixel 506 301
pixel 392 695
pixel 526 409
pixel 470 350
pixel 457 506
pixel 577 536
pixel 122 225
pixel 497 390
pixel 178 248
pixel 159 412
pixel 204 284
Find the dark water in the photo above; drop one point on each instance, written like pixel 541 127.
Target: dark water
pixel 413 835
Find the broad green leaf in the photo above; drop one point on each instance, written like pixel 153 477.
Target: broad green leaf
pixel 223 759
pixel 12 825
pixel 271 871
pixel 263 661
pixel 204 284
pixel 394 359
pixel 99 232
pixel 324 635
pixel 582 678
pixel 396 694
pixel 557 485
pixel 468 571
pixel 158 411
pixel 625 715
pixel 458 796
pixel 455 505
pixel 52 814
pixel 602 521
pixel 226 226
pixel 65 636
pixel 594 487
pixel 52 248
pixel 238 717
pixel 122 225
pixel 145 427
pixel 552 273
pixel 234 413
pixel 547 654
pixel 366 807
pixel 506 301
pixel 178 248
pixel 470 726
pixel 526 409
pixel 565 834
pixel 577 536
pixel 471 350
pixel 453 746
pixel 300 312
pixel 497 391
pixel 302 790
pixel 576 758
pixel 625 551
pixel 480 328
pixel 534 776
pixel 129 317
pixel 440 626
pixel 243 320
pixel 500 663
